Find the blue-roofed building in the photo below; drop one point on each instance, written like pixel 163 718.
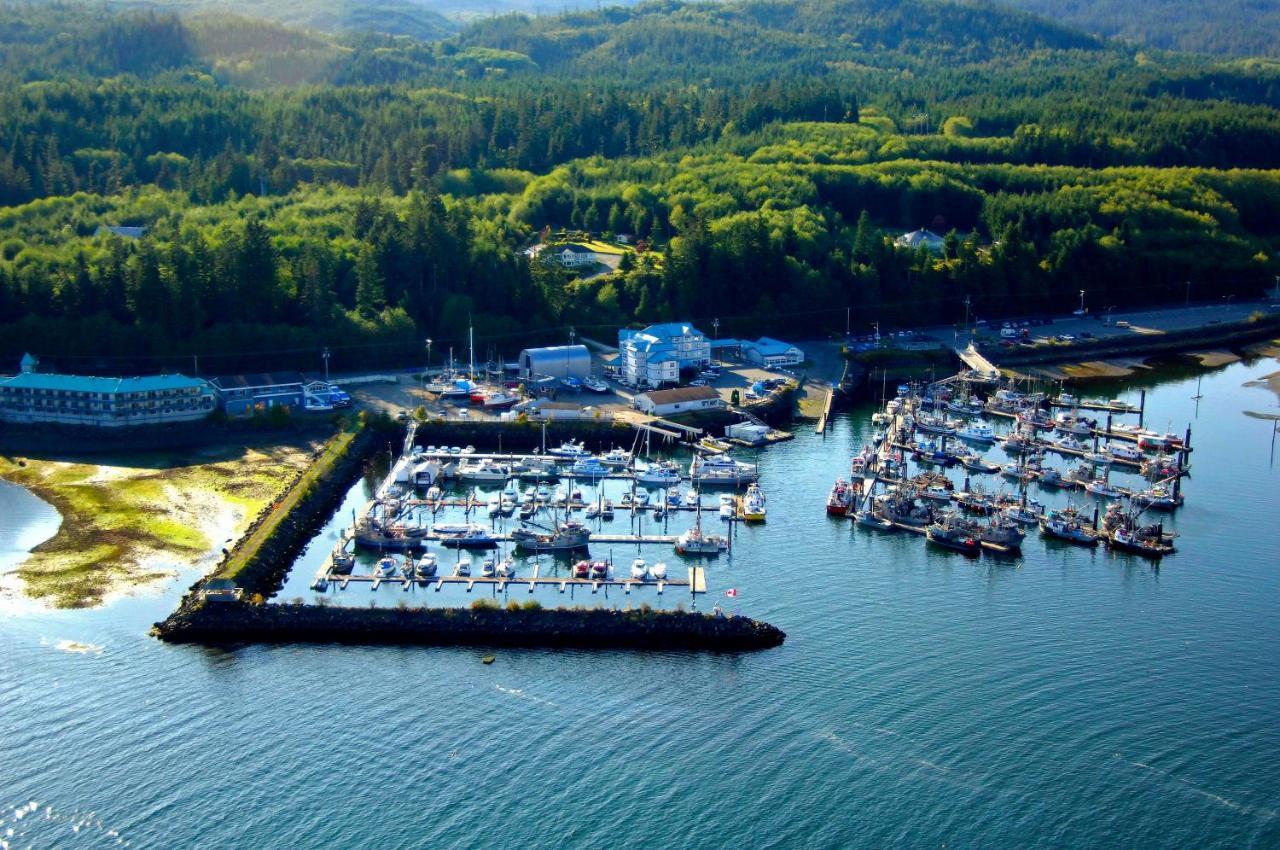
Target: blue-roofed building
pixel 917 239
pixel 34 397
pixel 245 395
pixel 654 356
pixel 772 353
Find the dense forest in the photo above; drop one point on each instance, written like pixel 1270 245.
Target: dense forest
pixel 1233 27
pixel 358 190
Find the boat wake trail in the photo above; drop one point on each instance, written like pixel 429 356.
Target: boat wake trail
pixel 519 693
pixel 1263 813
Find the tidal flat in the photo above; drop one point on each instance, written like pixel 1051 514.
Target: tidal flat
pixel 130 520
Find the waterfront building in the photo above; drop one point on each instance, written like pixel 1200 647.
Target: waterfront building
pixel 772 353
pixel 557 361
pixel 678 400
pixel 33 397
pixel 244 395
pixel 654 356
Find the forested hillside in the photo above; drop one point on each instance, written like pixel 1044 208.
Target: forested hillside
pixel 302 189
pixel 1233 27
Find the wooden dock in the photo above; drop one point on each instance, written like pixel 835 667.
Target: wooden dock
pixel 696 582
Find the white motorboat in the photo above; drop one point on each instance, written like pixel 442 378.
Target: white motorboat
pixel 726 506
pixel 657 474
pixel 616 457
pixel 639 569
pixel 569 450
pixel 386 567
pixel 463 567
pixel 978 432
pixel 506 568
pixel 426 566
pixel 658 571
pixel 594 384
pixel 494 506
pixel 484 470
pixel 487 568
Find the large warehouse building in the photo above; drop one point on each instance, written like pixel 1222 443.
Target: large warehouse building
pixel 558 361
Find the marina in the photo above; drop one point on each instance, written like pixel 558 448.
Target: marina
pixel 930 504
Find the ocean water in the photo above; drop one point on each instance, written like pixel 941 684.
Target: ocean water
pixel 1066 699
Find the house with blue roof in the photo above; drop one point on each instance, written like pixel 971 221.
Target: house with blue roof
pixel 35 397
pixel 653 357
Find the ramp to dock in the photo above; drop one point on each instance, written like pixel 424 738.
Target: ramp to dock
pixel 976 361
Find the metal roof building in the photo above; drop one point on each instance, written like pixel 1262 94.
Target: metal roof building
pixel 557 361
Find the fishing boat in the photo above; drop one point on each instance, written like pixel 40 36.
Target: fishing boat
pixel 868 519
pixel 939 491
pixel 951 534
pixel 975 463
pixel 341 561
pixel 606 512
pixel 1159 498
pixel 1028 514
pixel 840 498
pixel 1065 525
pixel 1103 488
pixel 569 535
pixel 1098 458
pixel 934 424
pixel 1131 539
pixel 1153 442
pixel 1052 477
pixel 976 502
pixel 1001 532
pixel 978 432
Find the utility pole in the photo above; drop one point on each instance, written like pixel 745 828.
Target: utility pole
pixel 876 325
pixel 715 323
pixel 848 315
pixel 1188 302
pixel 966 312
pixel 325 355
pixel 427 371
pixel 1082 302
pixel 195 365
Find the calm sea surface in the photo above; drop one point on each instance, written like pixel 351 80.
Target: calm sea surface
pixel 1067 699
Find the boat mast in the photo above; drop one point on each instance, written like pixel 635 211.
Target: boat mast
pixel 471 342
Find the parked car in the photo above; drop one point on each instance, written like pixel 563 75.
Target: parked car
pixel 1123 324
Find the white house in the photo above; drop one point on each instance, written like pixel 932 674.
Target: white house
pixel 546 409
pixel 654 356
pixel 678 400
pixel 574 256
pixel 921 239
pixel 772 353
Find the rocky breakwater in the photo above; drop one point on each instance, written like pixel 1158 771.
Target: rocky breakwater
pixel 221 623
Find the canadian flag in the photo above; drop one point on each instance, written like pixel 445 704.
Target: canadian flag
pixel 733 591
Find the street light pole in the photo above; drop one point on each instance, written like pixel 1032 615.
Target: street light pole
pixel 427 371
pixel 848 315
pixel 326 364
pixel 1188 302
pixel 1082 302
